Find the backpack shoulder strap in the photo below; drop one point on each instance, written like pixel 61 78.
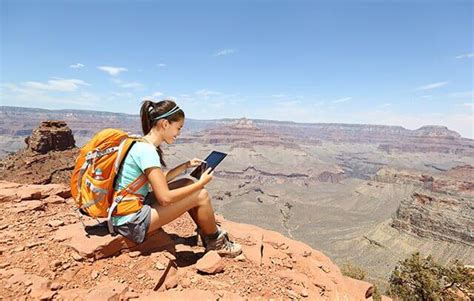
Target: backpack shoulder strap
pixel 131 188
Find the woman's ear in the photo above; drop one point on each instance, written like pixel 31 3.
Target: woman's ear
pixel 164 123
pixel 159 124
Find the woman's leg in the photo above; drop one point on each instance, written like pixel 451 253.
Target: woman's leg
pixel 199 201
pixel 200 208
pixel 181 183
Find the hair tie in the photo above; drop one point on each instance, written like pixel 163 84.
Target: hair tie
pixel 169 113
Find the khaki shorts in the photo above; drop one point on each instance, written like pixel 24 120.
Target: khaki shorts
pixel 137 228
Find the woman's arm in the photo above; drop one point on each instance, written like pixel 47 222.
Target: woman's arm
pixel 164 195
pixel 173 173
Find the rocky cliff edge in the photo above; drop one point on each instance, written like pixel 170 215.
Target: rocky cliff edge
pixel 47 254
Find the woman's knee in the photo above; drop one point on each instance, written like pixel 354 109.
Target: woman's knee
pixel 203 197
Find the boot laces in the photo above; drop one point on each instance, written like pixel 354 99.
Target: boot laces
pixel 228 244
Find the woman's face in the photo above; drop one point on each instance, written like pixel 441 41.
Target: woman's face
pixel 173 130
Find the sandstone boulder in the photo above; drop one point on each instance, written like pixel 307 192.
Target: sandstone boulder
pixel 210 263
pixel 51 135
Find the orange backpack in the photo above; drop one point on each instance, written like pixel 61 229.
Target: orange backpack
pixel 93 178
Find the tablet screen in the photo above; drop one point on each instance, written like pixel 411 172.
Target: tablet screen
pixel 212 161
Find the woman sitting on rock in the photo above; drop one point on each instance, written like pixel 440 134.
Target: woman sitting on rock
pixel 162 122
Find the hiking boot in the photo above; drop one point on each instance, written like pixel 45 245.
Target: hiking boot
pixel 200 237
pixel 222 245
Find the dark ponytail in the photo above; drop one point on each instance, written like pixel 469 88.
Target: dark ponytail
pixel 151 110
pixel 147 106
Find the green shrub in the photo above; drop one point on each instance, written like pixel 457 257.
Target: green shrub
pixel 418 278
pixel 353 271
pixel 377 296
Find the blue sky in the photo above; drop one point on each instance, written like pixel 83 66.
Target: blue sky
pixel 407 63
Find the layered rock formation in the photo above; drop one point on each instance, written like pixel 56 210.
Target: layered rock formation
pixel 257 176
pixel 441 207
pixel 18 121
pixel 15 121
pixel 48 254
pixel 48 158
pixel 51 135
pixel 242 133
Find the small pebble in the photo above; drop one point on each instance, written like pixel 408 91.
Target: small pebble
pixel 4 265
pixel 55 286
pixel 76 256
pixel 34 244
pixel 134 254
pixel 160 266
pixel 56 263
pixel 55 223
pixel 241 257
pixel 292 294
pixel 19 249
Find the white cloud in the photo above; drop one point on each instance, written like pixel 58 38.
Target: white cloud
pixel 33 97
pixel 113 71
pixel 157 95
pixel 133 85
pixel 469 105
pixel 285 111
pixel 76 66
pixel 289 103
pixel 63 85
pixel 432 86
pixel 225 52
pixel 466 56
pixel 342 100
pixel 128 85
pixel 122 94
pixel 279 95
pixel 206 93
pixel 161 65
pixel 462 94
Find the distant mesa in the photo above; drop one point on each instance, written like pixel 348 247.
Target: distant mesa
pixel 436 131
pixel 244 123
pixel 241 133
pixel 51 135
pixel 430 138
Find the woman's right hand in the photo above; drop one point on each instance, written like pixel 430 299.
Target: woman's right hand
pixel 206 177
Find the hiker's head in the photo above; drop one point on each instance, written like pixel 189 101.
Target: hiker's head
pixel 164 117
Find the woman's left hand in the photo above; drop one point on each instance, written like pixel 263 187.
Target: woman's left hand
pixel 194 162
